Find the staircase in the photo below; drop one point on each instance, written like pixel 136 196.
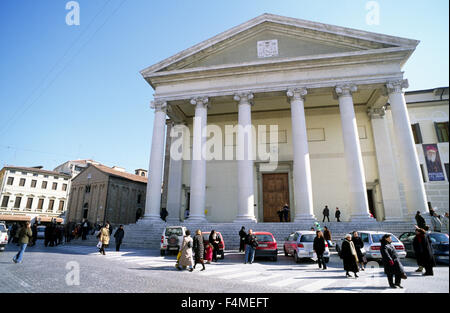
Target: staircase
pixel 147 235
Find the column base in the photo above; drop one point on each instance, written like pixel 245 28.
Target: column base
pixel 196 219
pixel 245 219
pixel 395 219
pixel 173 220
pixel 151 219
pixel 364 218
pixel 305 218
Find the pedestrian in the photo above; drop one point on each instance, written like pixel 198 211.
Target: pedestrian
pixel 423 250
pixel 208 253
pixel 337 214
pixel 326 214
pixel 391 261
pixel 84 229
pixel 360 251
pixel 138 214
pixel 286 212
pixel 186 214
pixel 436 223
pixel 186 253
pixel 104 238
pixel 445 222
pixel 327 236
pixel 34 232
pixel 120 233
pixel 24 234
pixel 111 228
pixel 420 220
pixel 251 244
pixel 12 232
pixel 319 249
pixel 280 215
pixel 214 240
pixel 164 214
pixel 349 256
pixel 242 236
pixel 199 249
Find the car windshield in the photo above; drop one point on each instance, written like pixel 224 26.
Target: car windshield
pixel 435 238
pixel 264 238
pixel 377 238
pixel 174 231
pixel 308 238
pixel 2 228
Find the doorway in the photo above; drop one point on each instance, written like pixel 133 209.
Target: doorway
pixel 275 195
pixel 371 203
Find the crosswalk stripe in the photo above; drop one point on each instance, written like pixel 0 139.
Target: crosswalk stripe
pixel 261 278
pixel 156 264
pixel 317 285
pixel 286 282
pixel 217 272
pixel 241 274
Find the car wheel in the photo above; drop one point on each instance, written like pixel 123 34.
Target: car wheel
pixel 163 252
pixel 296 259
pixel 285 252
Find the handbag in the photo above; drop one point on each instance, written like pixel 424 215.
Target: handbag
pixel 99 244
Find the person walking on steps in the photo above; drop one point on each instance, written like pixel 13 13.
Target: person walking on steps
pixel 326 214
pixel 242 236
pixel 199 249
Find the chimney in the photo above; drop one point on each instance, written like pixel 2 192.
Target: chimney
pixel 141 172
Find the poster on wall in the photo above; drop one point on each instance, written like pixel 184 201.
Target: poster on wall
pixel 433 160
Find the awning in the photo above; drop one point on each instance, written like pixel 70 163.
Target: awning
pixel 48 219
pixel 16 218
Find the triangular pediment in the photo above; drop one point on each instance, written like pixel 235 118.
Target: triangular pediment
pixel 270 38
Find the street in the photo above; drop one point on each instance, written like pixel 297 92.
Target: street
pixel 71 268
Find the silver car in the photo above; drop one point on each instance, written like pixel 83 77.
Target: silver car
pixel 3 236
pixel 300 245
pixel 372 244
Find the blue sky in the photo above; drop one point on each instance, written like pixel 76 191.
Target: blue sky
pixel 69 92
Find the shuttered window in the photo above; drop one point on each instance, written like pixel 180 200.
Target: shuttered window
pixel 29 203
pixel 50 205
pixel 61 206
pixel 22 182
pixel 5 201
pixel 441 131
pixel 417 133
pixel 40 204
pixel 17 203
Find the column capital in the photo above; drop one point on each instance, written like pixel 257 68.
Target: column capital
pixel 345 90
pixel 376 112
pixel 200 101
pixel 159 106
pixel 297 93
pixel 243 97
pixel 397 86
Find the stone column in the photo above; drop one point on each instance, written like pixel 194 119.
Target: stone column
pixel 353 157
pixel 387 171
pixel 198 167
pixel 244 155
pixel 153 195
pixel 175 177
pixel 416 199
pixel 303 196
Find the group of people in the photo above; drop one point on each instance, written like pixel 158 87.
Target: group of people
pixel 438 223
pixel 104 237
pixel 283 213
pixel 326 214
pixel 248 243
pixel 195 250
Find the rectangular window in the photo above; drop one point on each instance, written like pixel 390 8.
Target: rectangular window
pixel 29 203
pixel 424 176
pixel 441 131
pixel 17 203
pixel 61 206
pixel 446 170
pixel 40 204
pixel 33 183
pixel 50 205
pixel 55 186
pixel 64 187
pixel 5 201
pixel 22 182
pixel 10 181
pixel 44 185
pixel 417 133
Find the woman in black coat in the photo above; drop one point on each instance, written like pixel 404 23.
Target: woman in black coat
pixel 120 233
pixel 424 251
pixel 319 248
pixel 391 262
pixel 242 237
pixel 349 256
pixel 359 246
pixel 199 249
pixel 214 239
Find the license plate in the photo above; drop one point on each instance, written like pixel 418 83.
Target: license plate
pixel 173 248
pixel 262 246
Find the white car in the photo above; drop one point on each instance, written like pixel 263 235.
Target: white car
pixel 3 236
pixel 300 245
pixel 172 238
pixel 372 244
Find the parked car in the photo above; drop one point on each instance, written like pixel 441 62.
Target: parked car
pixel 439 241
pixel 41 232
pixel 300 245
pixel 3 236
pixel 172 239
pixel 221 252
pixel 372 244
pixel 267 245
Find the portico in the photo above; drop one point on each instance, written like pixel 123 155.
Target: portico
pixel 323 89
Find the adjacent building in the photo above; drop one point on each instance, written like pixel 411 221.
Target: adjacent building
pixel 100 193
pixel 27 193
pixel 73 168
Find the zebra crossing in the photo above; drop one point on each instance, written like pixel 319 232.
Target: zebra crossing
pixel 283 276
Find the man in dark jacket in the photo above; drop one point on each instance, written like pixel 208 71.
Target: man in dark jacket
pixel 337 215
pixel 242 236
pixel 423 250
pixel 326 214
pixel 391 261
pixel 359 246
pixel 34 232
pixel 251 244
pixel 420 220
pixel 199 249
pixel 120 233
pixel 214 240
pixel 25 234
pixel 286 212
pixel 319 248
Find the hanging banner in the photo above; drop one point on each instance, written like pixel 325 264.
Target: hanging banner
pixel 433 160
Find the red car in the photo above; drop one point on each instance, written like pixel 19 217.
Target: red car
pixel 267 245
pixel 220 253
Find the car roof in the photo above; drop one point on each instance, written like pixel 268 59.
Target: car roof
pixel 262 233
pixel 208 232
pixel 305 232
pixel 372 232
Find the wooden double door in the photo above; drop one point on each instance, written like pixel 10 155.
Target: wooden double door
pixel 275 195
